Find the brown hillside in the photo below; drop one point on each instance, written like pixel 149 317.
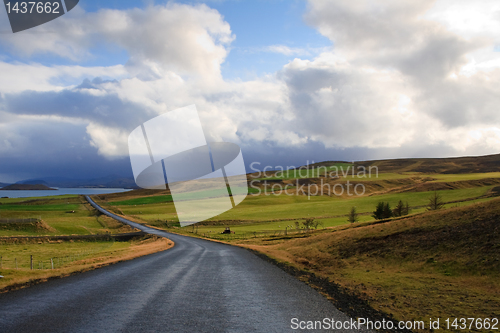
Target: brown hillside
pixel 471 164
pixel 437 264
pixel 479 164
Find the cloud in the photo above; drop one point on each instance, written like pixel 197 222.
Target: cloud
pixel 414 50
pixel 191 40
pixel 401 80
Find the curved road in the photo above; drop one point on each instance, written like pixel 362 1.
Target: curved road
pixel 197 286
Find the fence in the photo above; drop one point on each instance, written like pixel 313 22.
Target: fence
pixel 18 221
pixel 101 237
pixel 255 234
pixel 33 262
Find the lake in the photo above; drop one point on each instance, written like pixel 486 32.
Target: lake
pixel 61 191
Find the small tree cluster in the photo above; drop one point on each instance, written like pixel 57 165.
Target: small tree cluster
pixel 401 209
pixel 382 211
pixel 310 223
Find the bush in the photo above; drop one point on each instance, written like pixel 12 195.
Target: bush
pixel 308 223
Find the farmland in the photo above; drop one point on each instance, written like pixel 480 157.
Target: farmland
pixel 60 236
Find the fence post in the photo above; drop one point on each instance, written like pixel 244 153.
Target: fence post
pixel 31 262
pixel 16 262
pixel 1 261
pixel 52 263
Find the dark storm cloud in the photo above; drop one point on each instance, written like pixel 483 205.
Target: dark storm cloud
pixel 101 107
pixel 47 148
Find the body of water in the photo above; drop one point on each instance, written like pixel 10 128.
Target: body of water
pixel 61 191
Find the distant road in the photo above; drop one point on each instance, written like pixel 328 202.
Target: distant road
pixel 196 286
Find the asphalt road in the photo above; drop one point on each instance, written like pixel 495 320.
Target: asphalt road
pixel 197 286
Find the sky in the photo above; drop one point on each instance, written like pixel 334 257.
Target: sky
pixel 289 81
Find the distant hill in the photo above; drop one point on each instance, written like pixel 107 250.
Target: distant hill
pixel 27 187
pixel 3 185
pixel 111 181
pixel 454 165
pixel 33 182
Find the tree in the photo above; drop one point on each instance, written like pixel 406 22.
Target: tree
pixel 387 211
pixel 435 202
pixel 378 214
pixel 401 209
pixel 406 209
pixel 317 223
pixel 308 223
pixel 398 210
pixel 382 211
pixel 353 215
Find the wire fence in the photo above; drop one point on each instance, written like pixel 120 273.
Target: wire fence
pixel 18 221
pixel 39 261
pixel 34 262
pixel 254 234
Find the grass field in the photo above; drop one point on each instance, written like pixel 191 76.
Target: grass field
pixel 438 264
pixel 67 257
pixel 267 208
pixel 294 173
pixel 69 215
pixel 60 215
pixel 56 197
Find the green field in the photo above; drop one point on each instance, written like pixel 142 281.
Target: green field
pixel 294 173
pixel 270 213
pixel 56 197
pixel 61 253
pixel 60 215
pixel 66 215
pixel 39 208
pixel 267 208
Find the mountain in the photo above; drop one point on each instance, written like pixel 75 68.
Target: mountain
pixel 27 187
pixel 33 182
pixel 112 181
pixel 3 185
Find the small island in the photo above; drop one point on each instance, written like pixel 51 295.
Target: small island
pixel 27 187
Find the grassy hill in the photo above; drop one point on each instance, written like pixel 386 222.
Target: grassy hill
pixel 271 210
pixel 457 165
pixel 429 264
pixel 439 264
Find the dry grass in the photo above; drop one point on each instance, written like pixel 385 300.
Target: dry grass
pixel 438 264
pixel 117 252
